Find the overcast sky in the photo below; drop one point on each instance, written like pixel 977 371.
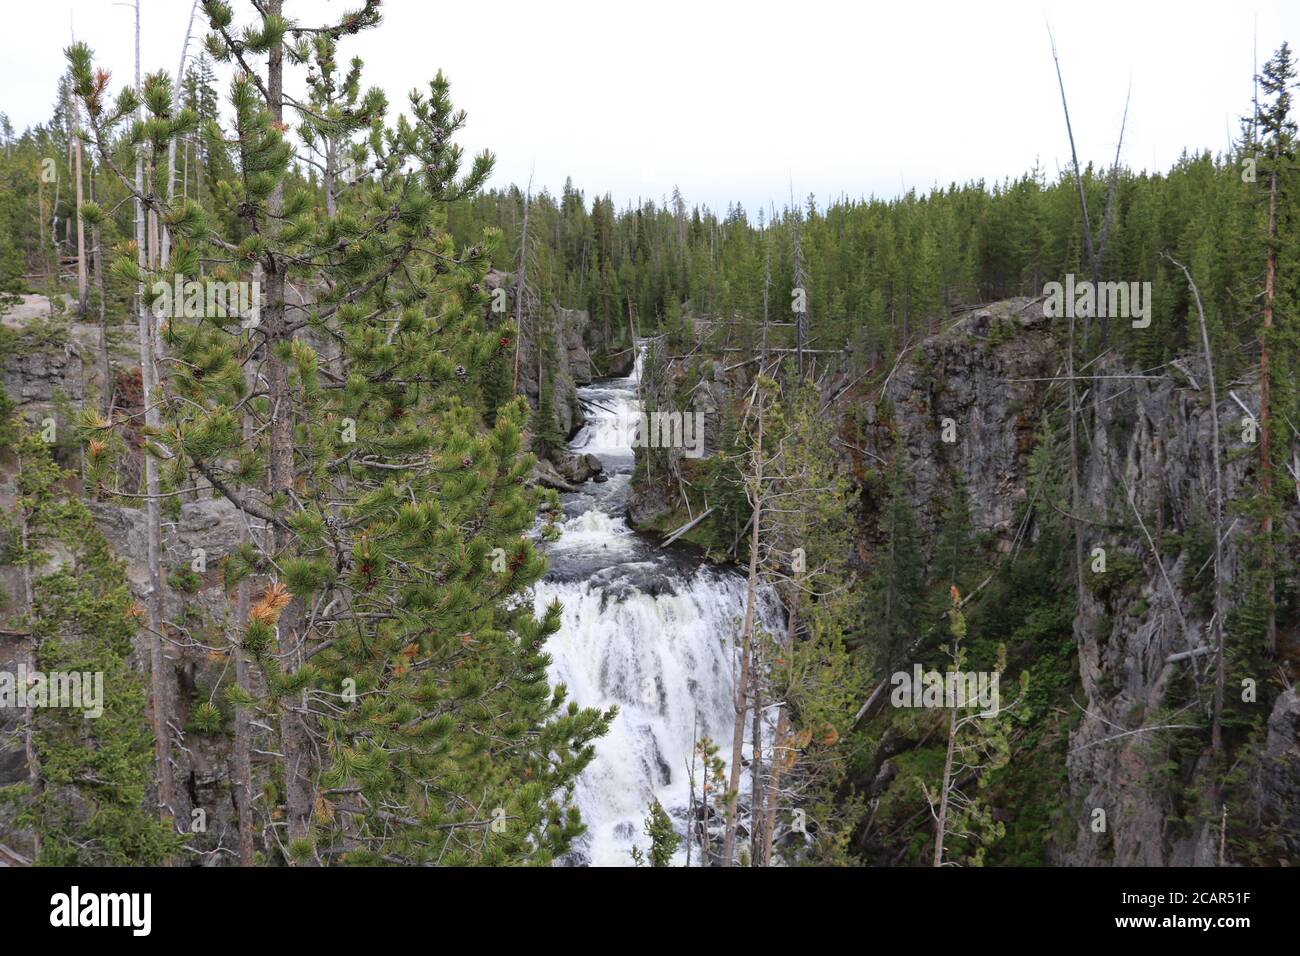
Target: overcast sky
pixel 733 101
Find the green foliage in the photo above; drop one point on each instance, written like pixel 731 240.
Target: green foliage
pixel 89 801
pixel 663 840
pixel 1123 571
pixel 435 736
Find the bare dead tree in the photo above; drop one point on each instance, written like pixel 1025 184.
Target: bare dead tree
pixel 74 146
pixel 171 147
pixel 153 511
pixel 1069 351
pixel 1111 184
pixel 1216 729
pixel 755 492
pixel 521 286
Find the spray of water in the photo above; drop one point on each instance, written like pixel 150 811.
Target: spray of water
pixel 650 630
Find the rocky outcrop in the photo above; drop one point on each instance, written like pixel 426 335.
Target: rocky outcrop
pixel 546 475
pixel 53 366
pixel 1280 769
pixel 965 401
pixel 580 468
pixel 969 401
pixel 1151 456
pixel 208 531
pixel 569 472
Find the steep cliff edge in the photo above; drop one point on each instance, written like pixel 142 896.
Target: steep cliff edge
pixel 979 407
pixel 1136 753
pixel 971 403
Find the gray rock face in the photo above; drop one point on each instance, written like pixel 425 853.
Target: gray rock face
pixel 1148 437
pixel 985 382
pixel 1151 440
pixel 39 372
pixel 212 527
pixel 1281 768
pixel 573 322
pixel 621 364
pixel 48 360
pixel 963 402
pixel 201 764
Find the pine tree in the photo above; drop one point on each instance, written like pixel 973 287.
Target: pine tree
pixel 415 718
pixel 897 583
pixel 978 744
pixel 663 840
pixel 1277 130
pixel 808 672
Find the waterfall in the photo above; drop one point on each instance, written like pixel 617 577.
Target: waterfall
pixel 651 630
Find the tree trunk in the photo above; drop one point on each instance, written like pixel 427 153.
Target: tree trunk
pixel 106 368
pixel 1074 469
pixel 1216 730
pixel 751 596
pixel 521 291
pixel 81 225
pixel 242 755
pixel 153 516
pixel 331 150
pixel 1265 427
pixel 704 810
pixel 294 735
pixel 942 823
pixel 171 147
pixel 40 222
pixel 778 760
pixel 757 811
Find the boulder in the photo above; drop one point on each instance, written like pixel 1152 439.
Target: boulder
pixel 545 474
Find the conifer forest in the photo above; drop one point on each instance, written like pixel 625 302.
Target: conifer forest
pixel 369 499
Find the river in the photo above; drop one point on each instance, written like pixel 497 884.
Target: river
pixel 647 628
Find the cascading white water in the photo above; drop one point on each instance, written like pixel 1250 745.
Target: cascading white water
pixel 649 629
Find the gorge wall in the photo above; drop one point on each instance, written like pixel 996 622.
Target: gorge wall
pixel 1147 452
pixel 986 381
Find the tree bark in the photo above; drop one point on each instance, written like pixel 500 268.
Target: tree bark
pixel 778 760
pixel 171 147
pixel 1265 425
pixel 1216 730
pixel 106 368
pixel 295 737
pixel 153 516
pixel 243 746
pixel 751 596
pixel 940 826
pixel 81 225
pixel 757 810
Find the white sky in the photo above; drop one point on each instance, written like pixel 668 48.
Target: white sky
pixel 731 101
